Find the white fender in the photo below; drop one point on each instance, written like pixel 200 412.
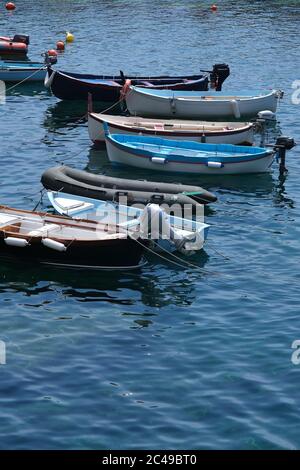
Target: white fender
pixel 235 109
pixel 159 160
pixel 54 245
pixel 215 164
pixel 48 80
pixel 19 242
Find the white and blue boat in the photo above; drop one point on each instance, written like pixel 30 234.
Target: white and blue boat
pixel 154 153
pixel 18 71
pixel 176 233
pixel 199 104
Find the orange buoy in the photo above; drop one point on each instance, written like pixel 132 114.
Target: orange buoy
pixel 52 53
pixel 214 7
pixel 10 6
pixel 60 45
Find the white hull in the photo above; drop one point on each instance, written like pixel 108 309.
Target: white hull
pixel 128 217
pixel 18 76
pixel 245 135
pixel 199 106
pixel 119 156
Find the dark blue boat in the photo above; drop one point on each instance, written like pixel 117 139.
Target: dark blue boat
pixel 75 86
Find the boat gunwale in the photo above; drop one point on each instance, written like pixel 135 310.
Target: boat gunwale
pixel 63 221
pixel 153 94
pixel 203 160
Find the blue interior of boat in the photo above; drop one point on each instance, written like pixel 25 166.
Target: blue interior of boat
pixel 101 81
pixel 186 145
pixel 19 65
pixel 155 146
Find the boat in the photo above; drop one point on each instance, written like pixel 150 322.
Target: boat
pixel 188 235
pixel 199 131
pixel 18 71
pixel 63 242
pixel 194 105
pixel 108 88
pixel 108 188
pixel 164 155
pixel 18 45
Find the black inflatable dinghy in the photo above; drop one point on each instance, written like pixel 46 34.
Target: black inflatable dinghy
pixel 82 183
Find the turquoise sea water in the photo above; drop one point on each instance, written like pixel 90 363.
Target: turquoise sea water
pixel 167 357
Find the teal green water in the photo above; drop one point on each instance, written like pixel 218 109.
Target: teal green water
pixel 167 357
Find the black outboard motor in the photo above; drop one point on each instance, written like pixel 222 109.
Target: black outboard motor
pixel 49 59
pixel 281 146
pixel 21 38
pixel 287 142
pixel 218 76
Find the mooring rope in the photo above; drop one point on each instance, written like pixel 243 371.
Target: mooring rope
pixel 217 252
pixel 170 260
pixel 188 263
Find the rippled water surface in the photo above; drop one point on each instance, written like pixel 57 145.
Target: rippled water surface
pixel 167 357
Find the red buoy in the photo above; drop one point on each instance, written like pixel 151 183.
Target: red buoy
pixel 52 53
pixel 60 45
pixel 10 6
pixel 214 7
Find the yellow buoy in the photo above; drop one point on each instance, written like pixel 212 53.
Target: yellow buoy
pixel 69 37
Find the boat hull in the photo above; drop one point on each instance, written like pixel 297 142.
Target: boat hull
pixel 15 75
pixel 113 213
pixel 12 49
pixel 242 135
pixel 104 187
pixel 38 237
pixel 115 254
pixel 145 104
pixel 106 88
pixel 119 154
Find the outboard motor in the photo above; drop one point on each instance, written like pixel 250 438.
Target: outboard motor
pixel 155 225
pixel 49 59
pixel 281 146
pixel 21 38
pixel 218 76
pixel 287 142
pixel 267 115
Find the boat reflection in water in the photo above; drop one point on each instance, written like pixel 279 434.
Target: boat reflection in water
pixel 159 283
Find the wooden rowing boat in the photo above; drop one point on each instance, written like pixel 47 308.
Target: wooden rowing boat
pixel 38 237
pixel 199 131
